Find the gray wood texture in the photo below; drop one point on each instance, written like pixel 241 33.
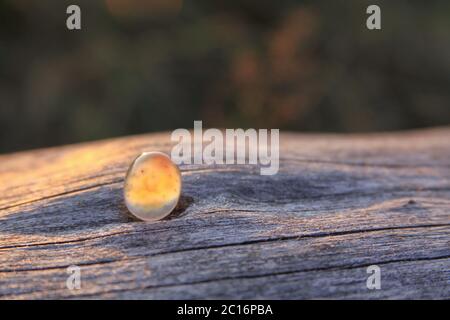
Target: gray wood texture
pixel 339 204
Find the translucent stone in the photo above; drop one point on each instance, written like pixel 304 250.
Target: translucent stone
pixel 152 186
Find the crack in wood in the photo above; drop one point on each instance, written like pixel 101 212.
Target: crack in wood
pixel 337 204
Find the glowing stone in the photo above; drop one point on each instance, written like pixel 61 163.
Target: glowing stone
pixel 152 186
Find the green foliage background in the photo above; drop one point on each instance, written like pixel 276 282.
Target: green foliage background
pixel 142 66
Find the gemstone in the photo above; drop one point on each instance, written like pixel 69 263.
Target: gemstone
pixel 152 186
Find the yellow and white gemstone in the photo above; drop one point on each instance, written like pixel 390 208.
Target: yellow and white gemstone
pixel 152 186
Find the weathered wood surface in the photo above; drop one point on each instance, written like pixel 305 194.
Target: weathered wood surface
pixel 338 205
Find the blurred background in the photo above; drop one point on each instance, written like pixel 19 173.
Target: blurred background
pixel 142 66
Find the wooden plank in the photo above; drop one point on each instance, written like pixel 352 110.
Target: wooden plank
pixel 339 204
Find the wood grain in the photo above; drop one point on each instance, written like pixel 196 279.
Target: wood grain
pixel 339 204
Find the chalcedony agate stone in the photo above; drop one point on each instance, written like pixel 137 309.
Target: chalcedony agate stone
pixel 152 186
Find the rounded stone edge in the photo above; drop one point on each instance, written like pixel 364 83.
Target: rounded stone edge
pixel 144 154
